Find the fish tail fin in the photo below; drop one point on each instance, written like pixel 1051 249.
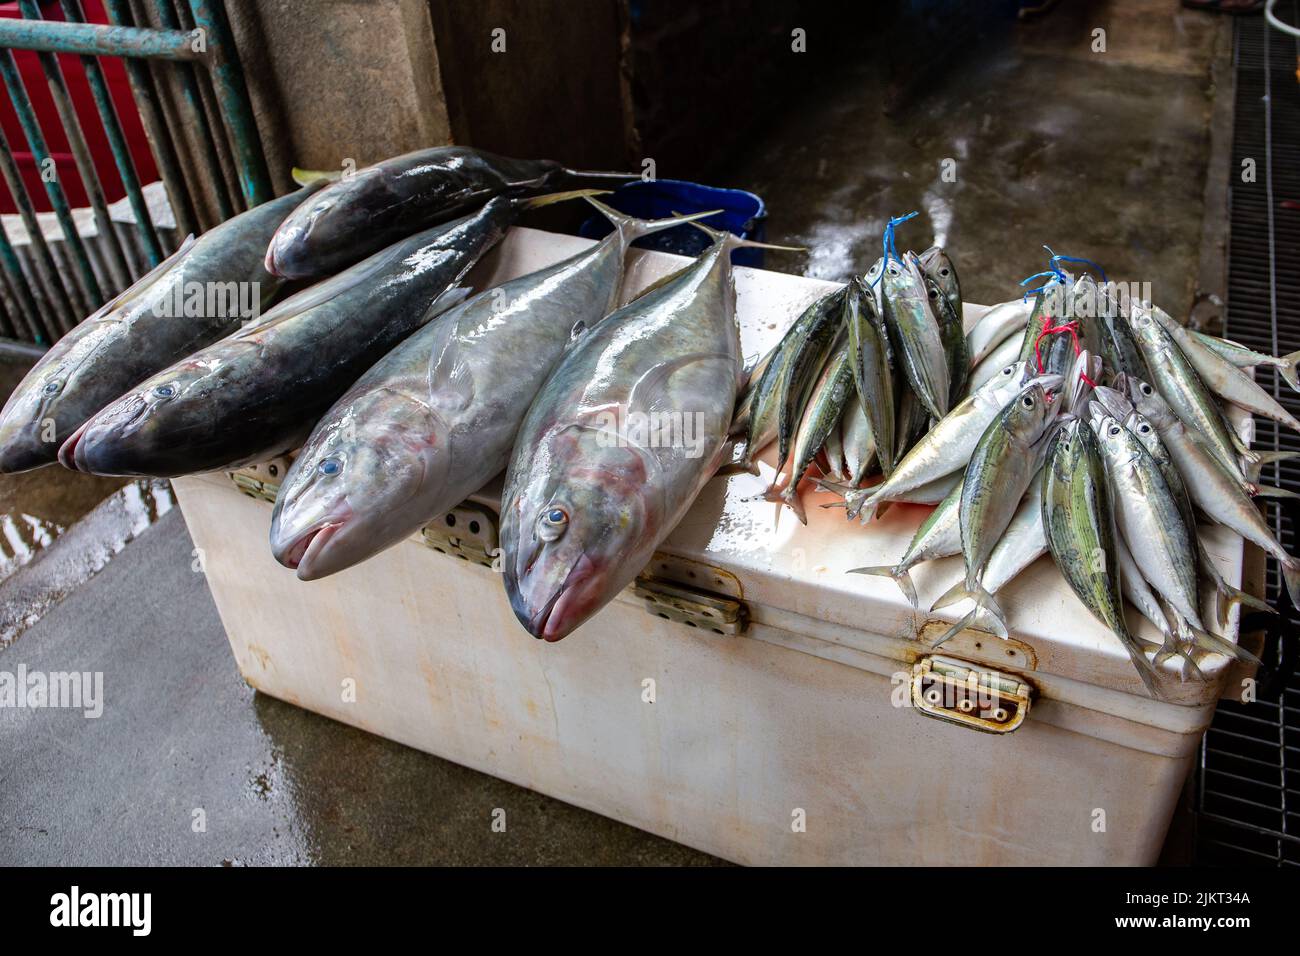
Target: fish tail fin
pixel 735 242
pixel 951 596
pixel 861 502
pixel 306 177
pixel 1291 575
pixel 1267 458
pixel 1146 670
pixel 634 228
pixel 985 600
pixel 1218 645
pixel 835 487
pixel 986 610
pixel 901 575
pixel 1230 597
pixel 1287 369
pixel 956 629
pixel 1270 491
pixel 790 498
pixel 536 202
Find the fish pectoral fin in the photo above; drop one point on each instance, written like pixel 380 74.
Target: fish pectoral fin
pixel 306 177
pixel 650 393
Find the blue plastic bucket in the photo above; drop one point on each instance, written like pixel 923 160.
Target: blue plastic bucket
pixel 742 213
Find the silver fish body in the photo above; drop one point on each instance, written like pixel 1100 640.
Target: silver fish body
pixel 436 418
pixel 257 392
pixel 1150 518
pixel 372 208
pixel 139 333
pixel 1222 376
pixel 915 335
pixel 949 444
pixel 1181 386
pixel 995 326
pixel 584 507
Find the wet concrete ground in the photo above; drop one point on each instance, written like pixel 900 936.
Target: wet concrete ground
pixel 188 766
pixel 1098 155
pixel 38 506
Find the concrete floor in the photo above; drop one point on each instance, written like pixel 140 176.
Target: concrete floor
pixel 181 732
pixel 1098 155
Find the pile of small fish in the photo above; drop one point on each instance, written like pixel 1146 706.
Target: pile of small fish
pixel 1093 428
pixel 409 393
pixel 864 373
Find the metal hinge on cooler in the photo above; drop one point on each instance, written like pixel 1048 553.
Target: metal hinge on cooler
pixel 691 593
pixel 262 480
pixel 970 695
pixel 468 531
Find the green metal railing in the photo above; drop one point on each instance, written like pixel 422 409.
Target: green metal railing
pixel 195 38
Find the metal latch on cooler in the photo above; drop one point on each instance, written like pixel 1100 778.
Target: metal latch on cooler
pixel 468 531
pixel 692 593
pixel 970 695
pixel 262 480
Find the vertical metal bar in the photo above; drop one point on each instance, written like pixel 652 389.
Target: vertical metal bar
pixel 213 112
pixel 232 95
pixel 49 273
pixel 8 329
pixel 62 211
pixel 193 101
pixel 120 271
pixel 155 127
pixel 20 291
pixel 117 142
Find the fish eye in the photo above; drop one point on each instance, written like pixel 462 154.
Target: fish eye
pixel 943 272
pixel 552 524
pixel 1144 429
pixel 1114 430
pixel 1008 370
pixel 329 466
pixel 1146 389
pixel 1028 401
pixel 164 391
pixel 52 388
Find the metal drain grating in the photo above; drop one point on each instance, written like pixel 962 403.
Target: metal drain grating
pixel 1248 789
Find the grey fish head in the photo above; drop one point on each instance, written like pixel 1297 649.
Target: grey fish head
pixel 301 247
pixel 904 282
pixel 1149 403
pixel 148 430
pixel 353 489
pixel 572 534
pixel 1119 444
pixel 1027 417
pixel 35 419
pixel 938 266
pixel 1144 431
pixel 1067 449
pixel 1113 400
pixel 62 390
pixel 1146 329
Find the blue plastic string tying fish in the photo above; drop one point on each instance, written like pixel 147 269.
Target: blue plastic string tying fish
pixel 889 249
pixel 1056 273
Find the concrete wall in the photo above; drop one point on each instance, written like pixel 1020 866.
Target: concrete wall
pixel 340 79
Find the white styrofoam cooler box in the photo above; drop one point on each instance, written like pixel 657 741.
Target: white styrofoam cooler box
pixel 796 741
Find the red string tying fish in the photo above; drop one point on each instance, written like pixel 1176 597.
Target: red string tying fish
pixel 1048 329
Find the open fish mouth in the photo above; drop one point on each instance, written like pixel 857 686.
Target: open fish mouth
pixel 303 554
pixel 68 456
pixel 553 620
